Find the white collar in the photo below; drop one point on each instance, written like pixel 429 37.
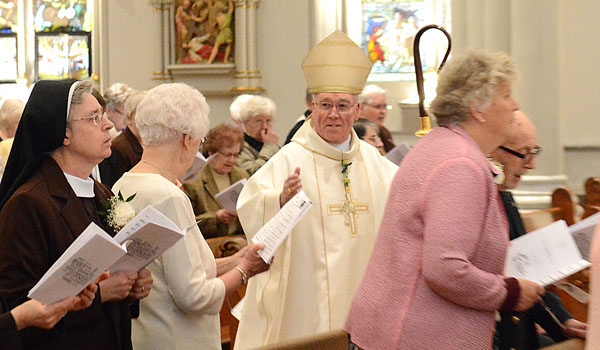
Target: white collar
pixel 82 187
pixel 344 146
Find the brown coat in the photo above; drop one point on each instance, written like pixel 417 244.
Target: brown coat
pixel 9 337
pixel 202 194
pixel 37 224
pixel 126 152
pixel 386 138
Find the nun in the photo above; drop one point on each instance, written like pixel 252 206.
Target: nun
pixel 47 199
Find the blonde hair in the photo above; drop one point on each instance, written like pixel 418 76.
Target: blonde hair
pixel 470 79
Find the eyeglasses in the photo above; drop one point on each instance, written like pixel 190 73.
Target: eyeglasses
pixel 260 122
pixel 229 155
pixel 341 107
pixel 373 138
pixel 96 118
pixel 527 157
pixel 380 106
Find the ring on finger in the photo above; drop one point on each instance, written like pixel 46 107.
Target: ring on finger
pixel 289 190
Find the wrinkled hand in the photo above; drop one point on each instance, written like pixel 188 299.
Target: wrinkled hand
pixel 84 299
pixel 117 286
pixel 32 313
pixel 251 262
pixel 225 216
pixel 142 286
pixel 575 329
pixel 291 186
pixel 269 137
pixel 530 294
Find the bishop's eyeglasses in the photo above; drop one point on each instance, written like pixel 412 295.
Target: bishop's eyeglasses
pixel 526 157
pixel 341 107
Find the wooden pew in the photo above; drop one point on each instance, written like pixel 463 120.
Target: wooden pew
pixel 334 340
pixel 571 344
pixel 223 247
pixel 564 204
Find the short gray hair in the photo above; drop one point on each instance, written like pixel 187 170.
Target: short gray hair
pixel 116 95
pixel 234 108
pixel 369 91
pixel 132 102
pixel 470 79
pixel 169 111
pixel 256 105
pixel 83 87
pixel 10 112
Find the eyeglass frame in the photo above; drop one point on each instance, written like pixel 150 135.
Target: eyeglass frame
pixel 261 122
pixel 527 157
pixel 322 106
pixel 379 106
pixel 230 155
pixel 96 119
pixel 373 138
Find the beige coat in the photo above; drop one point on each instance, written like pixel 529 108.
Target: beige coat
pixel 202 194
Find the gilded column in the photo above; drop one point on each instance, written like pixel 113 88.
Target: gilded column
pixel 253 71
pixel 247 74
pixel 160 14
pixel 241 52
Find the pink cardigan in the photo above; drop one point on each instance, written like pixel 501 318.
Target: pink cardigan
pixel 435 277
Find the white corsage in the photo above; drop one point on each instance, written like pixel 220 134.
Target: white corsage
pixel 499 172
pixel 119 211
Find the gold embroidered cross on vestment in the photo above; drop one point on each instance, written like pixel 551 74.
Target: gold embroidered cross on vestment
pixel 349 208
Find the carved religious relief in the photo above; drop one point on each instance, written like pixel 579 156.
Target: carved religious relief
pixel 204 31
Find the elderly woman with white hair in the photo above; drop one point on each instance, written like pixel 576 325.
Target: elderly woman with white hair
pixel 234 109
pixel 182 312
pixel 260 140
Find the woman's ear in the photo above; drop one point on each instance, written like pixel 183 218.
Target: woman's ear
pixel 186 141
pixel 66 141
pixel 476 113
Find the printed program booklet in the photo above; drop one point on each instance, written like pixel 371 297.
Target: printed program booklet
pixel 545 256
pixel 396 154
pixel 92 253
pixel 136 245
pixel 274 232
pixel 145 237
pixel 583 232
pixel 229 196
pixel 196 168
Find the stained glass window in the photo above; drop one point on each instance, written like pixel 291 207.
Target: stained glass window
pixel 62 15
pixel 63 38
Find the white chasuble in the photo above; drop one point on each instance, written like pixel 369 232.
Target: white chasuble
pixel 317 269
